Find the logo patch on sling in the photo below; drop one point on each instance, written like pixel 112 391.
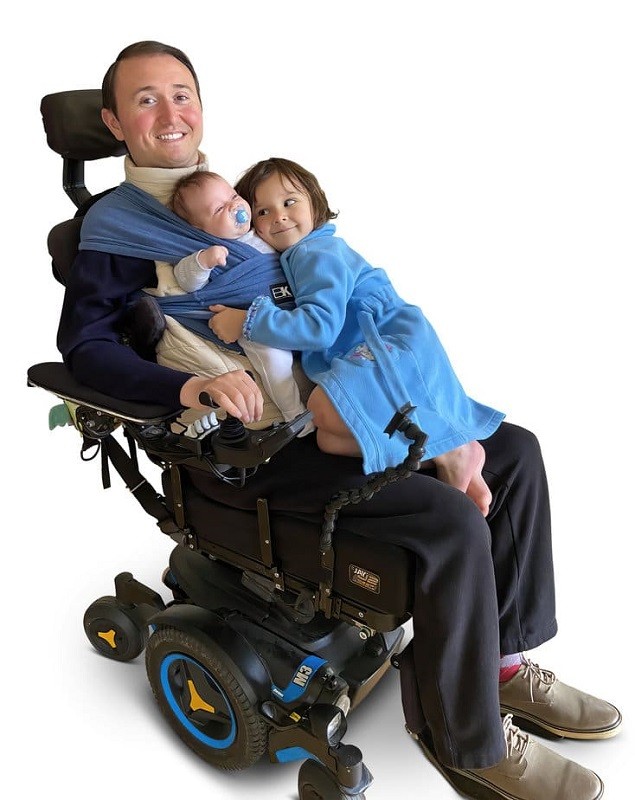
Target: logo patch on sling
pixel 281 293
pixel 364 579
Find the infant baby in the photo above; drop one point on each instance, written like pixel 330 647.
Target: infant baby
pixel 207 201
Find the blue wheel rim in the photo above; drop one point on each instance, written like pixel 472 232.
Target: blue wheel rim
pixel 198 701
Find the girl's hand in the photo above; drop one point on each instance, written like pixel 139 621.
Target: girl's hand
pixel 227 323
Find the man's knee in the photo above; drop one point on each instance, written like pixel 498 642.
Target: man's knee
pixel 513 444
pixel 461 524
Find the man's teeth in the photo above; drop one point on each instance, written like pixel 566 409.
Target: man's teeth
pixel 167 137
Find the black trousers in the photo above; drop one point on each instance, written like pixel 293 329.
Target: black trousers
pixel 484 587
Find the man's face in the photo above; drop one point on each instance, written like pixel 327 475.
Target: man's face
pixel 158 112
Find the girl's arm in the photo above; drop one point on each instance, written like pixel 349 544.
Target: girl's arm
pixel 323 284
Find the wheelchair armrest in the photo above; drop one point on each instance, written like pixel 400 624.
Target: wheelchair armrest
pixel 56 378
pixel 227 443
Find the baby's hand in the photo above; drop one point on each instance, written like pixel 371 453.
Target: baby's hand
pixel 214 256
pixel 227 323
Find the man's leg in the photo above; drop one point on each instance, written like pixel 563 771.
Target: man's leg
pixel 521 551
pixel 520 524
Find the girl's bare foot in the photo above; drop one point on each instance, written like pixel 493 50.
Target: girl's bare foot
pixel 461 468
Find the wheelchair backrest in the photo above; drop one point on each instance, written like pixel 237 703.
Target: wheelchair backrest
pixel 74 129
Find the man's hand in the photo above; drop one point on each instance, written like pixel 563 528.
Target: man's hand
pixel 227 323
pixel 235 392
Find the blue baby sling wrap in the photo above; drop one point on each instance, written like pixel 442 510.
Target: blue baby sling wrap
pixel 130 222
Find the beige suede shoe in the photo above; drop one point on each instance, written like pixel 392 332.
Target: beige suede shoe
pixel 529 771
pixel 543 704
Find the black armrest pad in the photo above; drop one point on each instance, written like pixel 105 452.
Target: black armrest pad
pixel 55 377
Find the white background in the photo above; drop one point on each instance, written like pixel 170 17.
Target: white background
pixel 482 153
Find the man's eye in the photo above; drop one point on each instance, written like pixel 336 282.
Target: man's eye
pixel 182 98
pixel 147 101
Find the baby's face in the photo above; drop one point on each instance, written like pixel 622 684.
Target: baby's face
pixel 212 207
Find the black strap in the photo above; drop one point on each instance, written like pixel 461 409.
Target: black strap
pixel 126 467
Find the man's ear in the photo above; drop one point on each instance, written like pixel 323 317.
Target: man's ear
pixel 112 123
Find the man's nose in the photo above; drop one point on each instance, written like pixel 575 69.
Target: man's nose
pixel 168 112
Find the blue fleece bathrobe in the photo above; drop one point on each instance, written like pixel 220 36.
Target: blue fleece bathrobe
pixel 369 350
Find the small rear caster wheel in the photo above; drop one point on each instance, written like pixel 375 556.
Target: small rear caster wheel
pixel 113 631
pixel 316 783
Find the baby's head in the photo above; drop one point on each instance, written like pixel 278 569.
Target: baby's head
pixel 287 201
pixel 207 201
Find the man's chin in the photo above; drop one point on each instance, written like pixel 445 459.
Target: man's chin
pixel 177 159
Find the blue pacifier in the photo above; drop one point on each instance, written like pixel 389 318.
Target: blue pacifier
pixel 241 216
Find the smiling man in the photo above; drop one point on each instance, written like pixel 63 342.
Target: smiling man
pixel 159 120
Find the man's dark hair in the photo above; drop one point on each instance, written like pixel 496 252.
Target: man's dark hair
pixel 147 48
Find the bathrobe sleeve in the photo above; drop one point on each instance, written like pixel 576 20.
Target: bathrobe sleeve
pixel 322 284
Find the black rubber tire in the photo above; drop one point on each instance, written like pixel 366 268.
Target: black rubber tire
pixel 316 783
pixel 113 631
pixel 213 710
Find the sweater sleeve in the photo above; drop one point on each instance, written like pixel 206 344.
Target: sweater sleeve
pixel 190 275
pixel 89 338
pixel 323 285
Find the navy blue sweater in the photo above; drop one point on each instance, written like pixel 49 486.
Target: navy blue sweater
pixel 89 334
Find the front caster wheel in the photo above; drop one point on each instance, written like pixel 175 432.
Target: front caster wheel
pixel 112 629
pixel 315 782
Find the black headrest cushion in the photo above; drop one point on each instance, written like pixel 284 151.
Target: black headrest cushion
pixel 74 128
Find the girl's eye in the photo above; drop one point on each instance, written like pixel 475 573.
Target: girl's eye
pixel 261 212
pixel 289 202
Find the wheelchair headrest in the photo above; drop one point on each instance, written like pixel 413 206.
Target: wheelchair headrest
pixel 74 128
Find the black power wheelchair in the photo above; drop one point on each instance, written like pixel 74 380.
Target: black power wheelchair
pixel 278 625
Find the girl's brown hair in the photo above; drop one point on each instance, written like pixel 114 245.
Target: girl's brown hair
pixel 302 179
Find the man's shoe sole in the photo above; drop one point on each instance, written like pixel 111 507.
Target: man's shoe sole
pixel 538 726
pixel 470 786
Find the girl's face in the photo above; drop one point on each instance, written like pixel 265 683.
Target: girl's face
pixel 282 214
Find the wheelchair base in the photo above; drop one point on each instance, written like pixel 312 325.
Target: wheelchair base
pixel 237 677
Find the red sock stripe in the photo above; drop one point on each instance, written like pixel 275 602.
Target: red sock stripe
pixel 506 673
